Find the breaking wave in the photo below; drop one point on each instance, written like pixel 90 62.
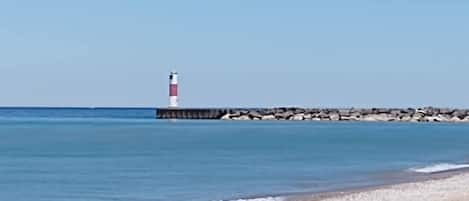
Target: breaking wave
pixel 441 167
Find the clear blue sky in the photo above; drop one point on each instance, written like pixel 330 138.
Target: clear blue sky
pixel 235 53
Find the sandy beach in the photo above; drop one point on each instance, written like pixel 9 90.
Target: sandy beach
pixel 444 187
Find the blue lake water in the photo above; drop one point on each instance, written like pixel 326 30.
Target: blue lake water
pixel 53 154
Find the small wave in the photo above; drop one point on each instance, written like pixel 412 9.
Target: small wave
pixel 442 167
pixel 262 199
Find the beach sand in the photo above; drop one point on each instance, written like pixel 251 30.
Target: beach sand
pixel 443 187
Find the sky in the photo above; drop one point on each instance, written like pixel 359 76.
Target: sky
pixel 235 53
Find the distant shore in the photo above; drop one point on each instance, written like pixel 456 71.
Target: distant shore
pixel 447 186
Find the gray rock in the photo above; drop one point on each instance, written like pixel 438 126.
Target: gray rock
pixel 396 112
pixel 226 117
pixel 406 118
pixel 466 119
pixel 459 113
pixel 297 117
pixel 444 117
pixel 445 111
pixel 244 112
pixel 334 116
pixel 254 114
pixel 369 117
pixel 348 118
pixel 383 110
pixel 235 114
pixel 268 117
pixel 323 115
pixel 455 119
pixel 284 115
pixel 417 117
pixel 364 112
pixel 242 117
pixel 268 112
pixel 345 112
pixel 433 119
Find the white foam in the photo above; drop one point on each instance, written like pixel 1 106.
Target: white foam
pixel 262 199
pixel 441 167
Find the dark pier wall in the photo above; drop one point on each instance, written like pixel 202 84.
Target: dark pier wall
pixel 190 113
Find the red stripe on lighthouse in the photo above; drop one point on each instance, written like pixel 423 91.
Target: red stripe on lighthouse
pixel 173 90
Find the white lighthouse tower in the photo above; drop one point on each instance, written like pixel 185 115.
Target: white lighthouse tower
pixel 173 89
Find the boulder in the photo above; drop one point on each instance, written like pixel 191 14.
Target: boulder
pixel 314 111
pixel 334 116
pixel 368 117
pixel 364 112
pixel 444 117
pixel 421 111
pixel 268 112
pixel 383 110
pixel 459 113
pixel 410 111
pixel 299 110
pixel 395 112
pixel 466 119
pixel 433 119
pixel 244 112
pixel 284 115
pixel 345 112
pixel 329 111
pixel 455 119
pixel 406 118
pixel 226 117
pixel 235 114
pixel 268 117
pixel 356 114
pixel 378 117
pixel 430 111
pixel 323 115
pixel 242 117
pixel 445 111
pixel 297 117
pixel 418 117
pixel 254 114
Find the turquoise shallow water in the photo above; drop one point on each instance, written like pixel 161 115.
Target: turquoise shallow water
pixel 124 154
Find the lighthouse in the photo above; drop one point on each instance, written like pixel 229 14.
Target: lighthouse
pixel 173 89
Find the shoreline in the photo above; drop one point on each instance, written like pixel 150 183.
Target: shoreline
pixel 359 193
pixel 450 184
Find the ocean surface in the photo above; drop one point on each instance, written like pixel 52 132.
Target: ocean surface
pixel 96 154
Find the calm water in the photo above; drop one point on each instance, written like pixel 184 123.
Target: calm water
pixel 124 154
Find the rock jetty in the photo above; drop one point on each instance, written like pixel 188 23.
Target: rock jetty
pixel 427 114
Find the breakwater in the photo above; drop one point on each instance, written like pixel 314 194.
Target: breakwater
pixel 427 114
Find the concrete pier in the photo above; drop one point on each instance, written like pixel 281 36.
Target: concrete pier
pixel 191 113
